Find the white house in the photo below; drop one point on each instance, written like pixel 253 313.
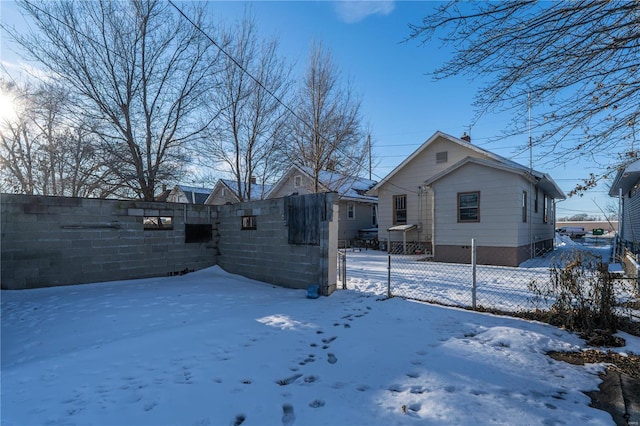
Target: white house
pixel 627 184
pixel 226 192
pixel 357 211
pixel 188 194
pixel 449 191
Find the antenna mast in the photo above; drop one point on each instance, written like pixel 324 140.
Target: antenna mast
pixel 530 138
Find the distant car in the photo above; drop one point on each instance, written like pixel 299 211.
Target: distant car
pixel 572 231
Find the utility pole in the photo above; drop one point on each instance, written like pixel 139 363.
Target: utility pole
pixel 369 149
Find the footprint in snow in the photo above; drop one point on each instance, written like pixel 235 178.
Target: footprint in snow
pixel 288 418
pixel 329 339
pixel 316 403
pixel 240 418
pixel 332 359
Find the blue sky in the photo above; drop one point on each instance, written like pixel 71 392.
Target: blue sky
pixel 400 102
pixel 402 105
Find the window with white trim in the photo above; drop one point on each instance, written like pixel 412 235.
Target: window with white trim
pixel 351 211
pixel 399 209
pixel 468 207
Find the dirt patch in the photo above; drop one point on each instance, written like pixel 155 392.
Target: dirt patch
pixel 629 365
pixel 619 392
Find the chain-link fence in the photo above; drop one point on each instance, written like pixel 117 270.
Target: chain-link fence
pixel 465 279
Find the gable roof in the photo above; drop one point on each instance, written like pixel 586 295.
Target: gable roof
pixel 626 178
pixel 542 180
pixel 194 194
pixel 232 186
pixel 348 187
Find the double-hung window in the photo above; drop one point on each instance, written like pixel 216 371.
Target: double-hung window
pixel 351 211
pixel 399 209
pixel 469 207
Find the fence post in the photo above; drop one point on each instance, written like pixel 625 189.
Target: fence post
pixel 389 276
pixel 344 270
pixel 473 273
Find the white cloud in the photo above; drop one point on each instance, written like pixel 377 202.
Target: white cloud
pixel 352 11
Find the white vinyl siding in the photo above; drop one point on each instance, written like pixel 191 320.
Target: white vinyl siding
pixel 500 205
pixel 408 181
pixel 631 217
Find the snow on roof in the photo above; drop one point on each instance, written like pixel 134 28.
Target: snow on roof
pixel 350 187
pixel 256 188
pixel 626 178
pixel 200 194
pixel 545 180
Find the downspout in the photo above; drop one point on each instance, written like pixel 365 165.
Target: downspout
pixel 419 214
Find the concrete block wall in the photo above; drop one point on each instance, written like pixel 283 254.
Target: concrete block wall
pixel 264 253
pixel 49 241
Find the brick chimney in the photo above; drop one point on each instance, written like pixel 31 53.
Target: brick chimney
pixel 466 137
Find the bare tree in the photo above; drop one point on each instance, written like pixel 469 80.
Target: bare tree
pixel 577 61
pixel 43 152
pixel 136 68
pixel 327 132
pixel 248 108
pixel 18 150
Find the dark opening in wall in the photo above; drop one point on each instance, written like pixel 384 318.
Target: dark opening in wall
pixel 249 222
pixel 197 233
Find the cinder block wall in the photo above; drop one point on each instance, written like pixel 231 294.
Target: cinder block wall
pixel 265 254
pixel 49 241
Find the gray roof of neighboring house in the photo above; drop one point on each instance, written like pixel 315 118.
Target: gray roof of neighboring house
pixel 347 187
pixel 626 178
pixel 192 192
pixel 256 188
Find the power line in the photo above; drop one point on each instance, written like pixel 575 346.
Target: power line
pixel 257 81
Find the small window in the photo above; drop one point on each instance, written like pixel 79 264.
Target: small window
pixel 351 211
pixel 524 206
pixel 248 222
pixel 441 157
pixel 545 206
pixel 197 233
pixel 374 215
pixel 535 203
pixel 157 223
pixel 297 181
pixel 224 192
pixel 469 207
pixel 399 209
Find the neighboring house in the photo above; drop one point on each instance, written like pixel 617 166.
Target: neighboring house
pixel 449 191
pixel 163 195
pixel 627 184
pixel 188 194
pixel 226 192
pixel 357 211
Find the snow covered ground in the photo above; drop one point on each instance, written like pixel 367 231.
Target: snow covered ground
pixel 498 287
pixel 210 348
